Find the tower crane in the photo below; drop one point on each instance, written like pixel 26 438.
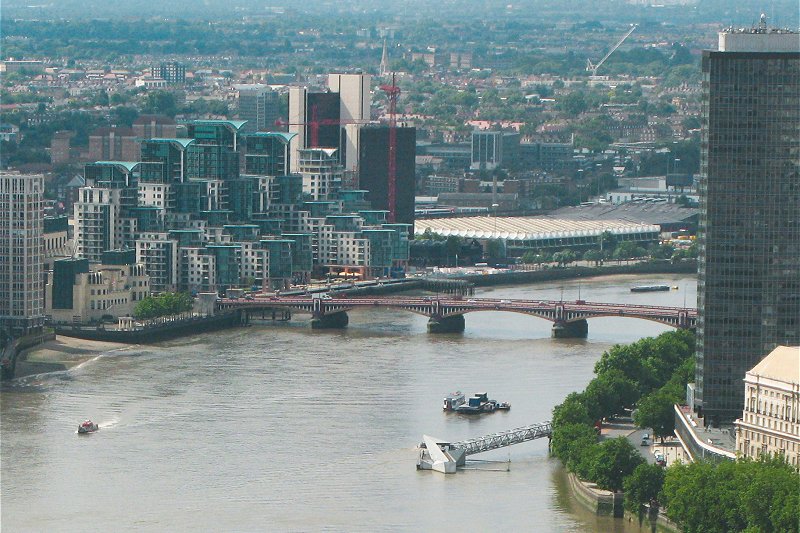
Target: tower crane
pixel 392 94
pixel 591 67
pixel 315 123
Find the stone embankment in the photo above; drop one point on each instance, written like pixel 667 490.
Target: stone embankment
pixel 576 272
pixel 158 331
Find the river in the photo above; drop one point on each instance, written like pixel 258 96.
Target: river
pixel 281 428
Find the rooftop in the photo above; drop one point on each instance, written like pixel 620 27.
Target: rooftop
pixel 782 364
pixel 235 124
pixel 127 165
pixel 636 213
pixel 280 135
pixel 183 142
pixel 528 228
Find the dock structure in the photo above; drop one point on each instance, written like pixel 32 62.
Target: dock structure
pixel 441 456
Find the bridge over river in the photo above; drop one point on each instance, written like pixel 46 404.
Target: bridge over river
pixel 446 314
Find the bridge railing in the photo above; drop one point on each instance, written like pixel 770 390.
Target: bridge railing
pixel 504 438
pixel 473 303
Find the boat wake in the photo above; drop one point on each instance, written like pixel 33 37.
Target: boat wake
pixel 110 424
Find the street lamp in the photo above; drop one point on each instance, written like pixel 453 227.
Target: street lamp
pixel 494 207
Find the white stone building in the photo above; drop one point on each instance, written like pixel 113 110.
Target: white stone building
pixel 106 290
pixel 321 171
pixel 770 422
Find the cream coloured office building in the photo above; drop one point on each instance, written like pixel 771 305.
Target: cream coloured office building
pixel 770 422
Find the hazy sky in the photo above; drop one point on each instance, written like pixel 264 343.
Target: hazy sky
pixel 737 12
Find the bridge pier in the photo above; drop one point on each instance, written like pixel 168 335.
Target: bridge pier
pixel 446 324
pixel 330 321
pixel 577 329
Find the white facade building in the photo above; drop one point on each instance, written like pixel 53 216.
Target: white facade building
pixel 155 195
pixel 95 215
pixel 21 252
pixel 107 290
pixel 159 255
pixel 321 171
pixel 197 269
pixel 770 422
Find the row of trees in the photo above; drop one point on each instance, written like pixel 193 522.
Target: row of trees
pixel 624 251
pixel 168 303
pixel 625 376
pixel 741 495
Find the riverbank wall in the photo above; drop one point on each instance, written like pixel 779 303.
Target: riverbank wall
pixel 156 332
pixel 576 272
pixel 16 349
pixel 605 502
pixel 599 501
pixel 655 521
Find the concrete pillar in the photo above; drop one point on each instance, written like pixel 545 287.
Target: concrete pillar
pixel 447 324
pixel 332 321
pixel 577 329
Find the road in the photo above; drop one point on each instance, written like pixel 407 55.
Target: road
pixel 671 449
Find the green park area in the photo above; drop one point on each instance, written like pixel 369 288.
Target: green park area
pixel 652 374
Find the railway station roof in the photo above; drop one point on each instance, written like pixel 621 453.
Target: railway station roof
pixel 528 228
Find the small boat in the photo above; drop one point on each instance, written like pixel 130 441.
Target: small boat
pixel 650 288
pixel 87 427
pixel 453 401
pixel 502 406
pixel 480 403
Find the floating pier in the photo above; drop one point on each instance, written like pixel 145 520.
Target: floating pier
pixel 445 457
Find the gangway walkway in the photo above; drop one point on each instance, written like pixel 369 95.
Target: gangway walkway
pixel 504 438
pixel 442 456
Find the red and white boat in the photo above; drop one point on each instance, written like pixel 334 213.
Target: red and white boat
pixel 87 427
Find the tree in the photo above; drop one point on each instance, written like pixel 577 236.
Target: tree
pixel 571 411
pixel 770 498
pixel 593 255
pixel 608 241
pixel 626 359
pixel 162 102
pixel 688 497
pixel 574 103
pixel 495 249
pixel 124 116
pixel 452 246
pixel 564 257
pixel 572 442
pixel 662 251
pixel 656 411
pixel 615 460
pixel 628 250
pixel 643 486
pixel 733 496
pixel 168 303
pixel 608 393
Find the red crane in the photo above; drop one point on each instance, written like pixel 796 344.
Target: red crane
pixel 392 94
pixel 315 123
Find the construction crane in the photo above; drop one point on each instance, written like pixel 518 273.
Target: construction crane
pixel 315 123
pixel 591 67
pixel 392 94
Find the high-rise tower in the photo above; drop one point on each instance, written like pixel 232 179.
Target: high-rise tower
pixel 21 253
pixel 383 70
pixel 749 266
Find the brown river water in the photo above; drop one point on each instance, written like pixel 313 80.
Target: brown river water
pixel 281 428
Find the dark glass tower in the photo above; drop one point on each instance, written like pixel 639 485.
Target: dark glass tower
pixel 749 264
